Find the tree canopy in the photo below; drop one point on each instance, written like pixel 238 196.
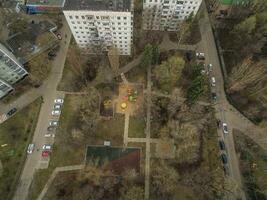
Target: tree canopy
pixel 169 72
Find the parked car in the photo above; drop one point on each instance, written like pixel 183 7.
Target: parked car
pixel 49 135
pixel 45 153
pixel 218 123
pixel 59 36
pixel 57 106
pixel 11 112
pixel 56 112
pixel 189 56
pixel 30 148
pixel 226 170
pixel 51 128
pixel 222 145
pixel 59 100
pixel 200 56
pixel 52 54
pixel 224 158
pixel 214 96
pixel 213 81
pixel 47 147
pixel 209 67
pixel 225 128
pixel 53 123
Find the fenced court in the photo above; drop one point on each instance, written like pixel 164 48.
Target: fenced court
pixel 116 159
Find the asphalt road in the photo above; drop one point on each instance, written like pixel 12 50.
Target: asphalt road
pixel 207 45
pixel 49 91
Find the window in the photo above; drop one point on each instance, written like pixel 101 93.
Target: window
pixel 77 17
pixel 124 18
pixel 118 18
pixel 70 17
pixel 83 17
pixel 74 27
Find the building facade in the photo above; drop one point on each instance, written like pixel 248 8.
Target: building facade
pixel 98 25
pixel 11 71
pixel 44 6
pixel 5 88
pixel 167 15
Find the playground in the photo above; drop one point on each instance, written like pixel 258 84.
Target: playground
pixel 130 99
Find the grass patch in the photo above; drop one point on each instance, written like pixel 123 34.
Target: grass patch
pixel 111 130
pixel 17 133
pixel 137 75
pixel 253 164
pixel 137 127
pixel 39 180
pixel 70 142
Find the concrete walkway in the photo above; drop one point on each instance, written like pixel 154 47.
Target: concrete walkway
pixel 148 125
pixel 143 140
pixel 126 128
pixel 53 175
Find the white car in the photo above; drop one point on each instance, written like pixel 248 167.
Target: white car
pixel 61 101
pixel 49 135
pixel 210 67
pixel 225 128
pixel 30 148
pixel 56 112
pixel 213 81
pixel 47 147
pixel 200 56
pixel 57 106
pixel 53 123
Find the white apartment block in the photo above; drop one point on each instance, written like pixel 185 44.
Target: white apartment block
pixel 167 15
pixel 101 24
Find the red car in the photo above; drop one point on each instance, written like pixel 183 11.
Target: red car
pixel 45 153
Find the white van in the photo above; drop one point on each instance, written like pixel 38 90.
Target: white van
pixel 213 81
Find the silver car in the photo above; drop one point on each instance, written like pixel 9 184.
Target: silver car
pixel 225 128
pixel 30 148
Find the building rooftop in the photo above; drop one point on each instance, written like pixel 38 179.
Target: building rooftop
pixel 98 5
pixel 36 39
pixel 46 2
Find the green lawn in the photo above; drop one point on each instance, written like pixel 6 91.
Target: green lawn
pixel 17 133
pixel 70 143
pixel 137 127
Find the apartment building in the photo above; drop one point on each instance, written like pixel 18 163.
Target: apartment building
pixel 167 15
pixel 11 71
pixel 98 25
pixel 5 88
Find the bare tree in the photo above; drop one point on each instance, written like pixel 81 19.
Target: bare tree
pixel 89 111
pixel 247 73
